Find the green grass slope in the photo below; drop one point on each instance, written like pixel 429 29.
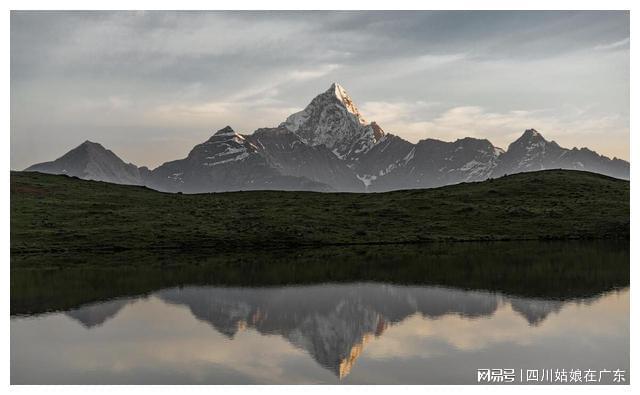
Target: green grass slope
pixel 52 213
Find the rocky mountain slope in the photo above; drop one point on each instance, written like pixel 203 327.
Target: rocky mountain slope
pixel 532 152
pixel 91 161
pixel 328 146
pixel 226 162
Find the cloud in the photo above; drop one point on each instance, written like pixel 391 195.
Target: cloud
pixel 613 45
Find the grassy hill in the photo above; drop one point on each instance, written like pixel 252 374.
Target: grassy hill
pixel 51 213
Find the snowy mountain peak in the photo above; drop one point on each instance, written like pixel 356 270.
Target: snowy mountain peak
pixel 530 139
pixel 531 134
pixel 224 147
pixel 333 120
pixel 226 131
pixel 226 134
pixel 341 94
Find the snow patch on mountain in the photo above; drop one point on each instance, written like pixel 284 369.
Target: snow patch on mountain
pixel 366 179
pixel 241 156
pixel 225 146
pixel 176 177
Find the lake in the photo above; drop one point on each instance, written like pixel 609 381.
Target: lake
pixel 430 314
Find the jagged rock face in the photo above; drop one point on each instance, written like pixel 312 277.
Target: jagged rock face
pixel 585 159
pixel 432 163
pixel 332 120
pixel 330 147
pixel 388 154
pixel 91 161
pixel 286 152
pixel 225 162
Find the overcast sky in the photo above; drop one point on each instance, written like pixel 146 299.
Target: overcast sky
pixel 151 85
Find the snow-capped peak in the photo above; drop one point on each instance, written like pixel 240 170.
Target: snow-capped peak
pixel 225 146
pixel 226 135
pixel 226 131
pixel 342 95
pixel 333 120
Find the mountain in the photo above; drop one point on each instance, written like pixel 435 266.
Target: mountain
pixel 332 120
pixel 91 161
pixel 286 152
pixel 389 153
pixel 226 162
pixel 433 163
pixel 329 146
pixel 532 152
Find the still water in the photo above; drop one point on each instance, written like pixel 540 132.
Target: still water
pixel 338 331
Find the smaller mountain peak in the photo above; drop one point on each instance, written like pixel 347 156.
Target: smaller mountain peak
pixel 90 145
pixel 226 131
pixel 531 135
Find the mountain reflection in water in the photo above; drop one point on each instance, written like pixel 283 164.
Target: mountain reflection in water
pixel 331 322
pixel 430 314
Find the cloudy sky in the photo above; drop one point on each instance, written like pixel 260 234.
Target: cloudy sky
pixel 151 85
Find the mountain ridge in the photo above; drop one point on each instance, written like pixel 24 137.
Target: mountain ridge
pixel 329 146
